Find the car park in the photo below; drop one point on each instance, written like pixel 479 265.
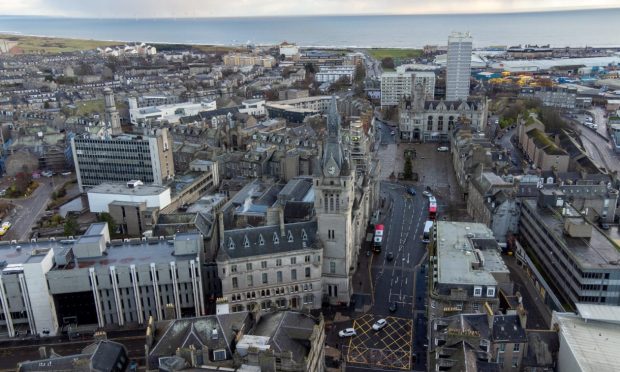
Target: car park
pixel 442 149
pixel 379 324
pixel 347 332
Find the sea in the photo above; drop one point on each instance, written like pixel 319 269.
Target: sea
pixel 598 28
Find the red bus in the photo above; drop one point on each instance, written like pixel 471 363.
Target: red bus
pixel 378 240
pixel 432 208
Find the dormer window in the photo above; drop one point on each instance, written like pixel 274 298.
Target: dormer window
pixel 261 241
pixel 276 239
pixel 491 292
pixel 231 244
pixel 246 242
pixel 290 236
pixel 304 236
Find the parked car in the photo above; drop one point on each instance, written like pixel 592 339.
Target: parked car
pixel 393 306
pixel 442 149
pixel 6 225
pixel 347 332
pixel 411 191
pixel 427 193
pixel 393 133
pixel 604 226
pixel 389 256
pixel 379 324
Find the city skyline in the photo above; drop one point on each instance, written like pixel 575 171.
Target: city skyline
pixel 249 8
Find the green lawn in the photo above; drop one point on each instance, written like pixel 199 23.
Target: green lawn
pixel 34 44
pixel 396 53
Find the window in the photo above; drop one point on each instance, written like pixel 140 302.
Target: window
pixel 515 361
pixel 293 260
pixel 278 262
pixel 250 280
pixel 491 292
pixel 235 283
pixel 440 124
pixel 294 274
pixel 248 266
pixel 263 264
pixel 307 272
pixel 502 348
pixel 331 234
pixel 233 268
pixel 516 348
pixel 332 267
pixel 477 291
pixel 429 123
pixel 265 278
pixel 306 259
pixel 219 355
pixel 279 276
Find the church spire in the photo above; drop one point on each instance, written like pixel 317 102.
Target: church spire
pixel 333 122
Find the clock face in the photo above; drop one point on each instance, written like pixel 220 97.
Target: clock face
pixel 331 170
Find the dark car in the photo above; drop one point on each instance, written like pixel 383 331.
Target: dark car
pixel 390 256
pixel 604 226
pixel 411 191
pixel 393 306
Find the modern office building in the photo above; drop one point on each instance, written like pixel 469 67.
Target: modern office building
pixel 48 285
pixel 397 85
pixel 589 339
pixel 100 196
pixel 171 113
pixel 105 158
pixel 330 74
pixel 467 269
pixel 579 261
pixel 459 66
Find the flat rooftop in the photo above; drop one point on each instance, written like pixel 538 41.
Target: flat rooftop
pixel 594 253
pixel 594 343
pixel 122 189
pixel 135 251
pixel 458 247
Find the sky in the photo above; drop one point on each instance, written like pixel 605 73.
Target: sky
pixel 249 8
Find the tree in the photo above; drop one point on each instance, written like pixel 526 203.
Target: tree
pixel 107 217
pixel 388 62
pixel 408 171
pixel 22 181
pixel 310 69
pixel 71 226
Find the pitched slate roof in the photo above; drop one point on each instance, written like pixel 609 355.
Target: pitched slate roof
pixel 266 240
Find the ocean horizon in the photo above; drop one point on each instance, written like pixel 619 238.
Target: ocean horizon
pixel 597 28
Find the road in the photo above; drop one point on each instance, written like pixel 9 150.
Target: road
pixel 28 209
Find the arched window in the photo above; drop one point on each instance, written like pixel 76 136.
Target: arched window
pixel 429 123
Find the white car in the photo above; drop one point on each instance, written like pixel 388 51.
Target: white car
pixel 432 200
pixel 427 193
pixel 393 133
pixel 442 149
pixel 379 324
pixel 347 332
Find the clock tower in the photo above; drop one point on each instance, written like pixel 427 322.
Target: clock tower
pixel 333 202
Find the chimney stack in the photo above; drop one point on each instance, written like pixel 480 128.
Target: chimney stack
pixel 281 220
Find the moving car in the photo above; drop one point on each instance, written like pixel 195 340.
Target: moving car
pixel 347 332
pixel 427 193
pixel 411 191
pixel 393 306
pixel 379 324
pixel 442 149
pixel 390 256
